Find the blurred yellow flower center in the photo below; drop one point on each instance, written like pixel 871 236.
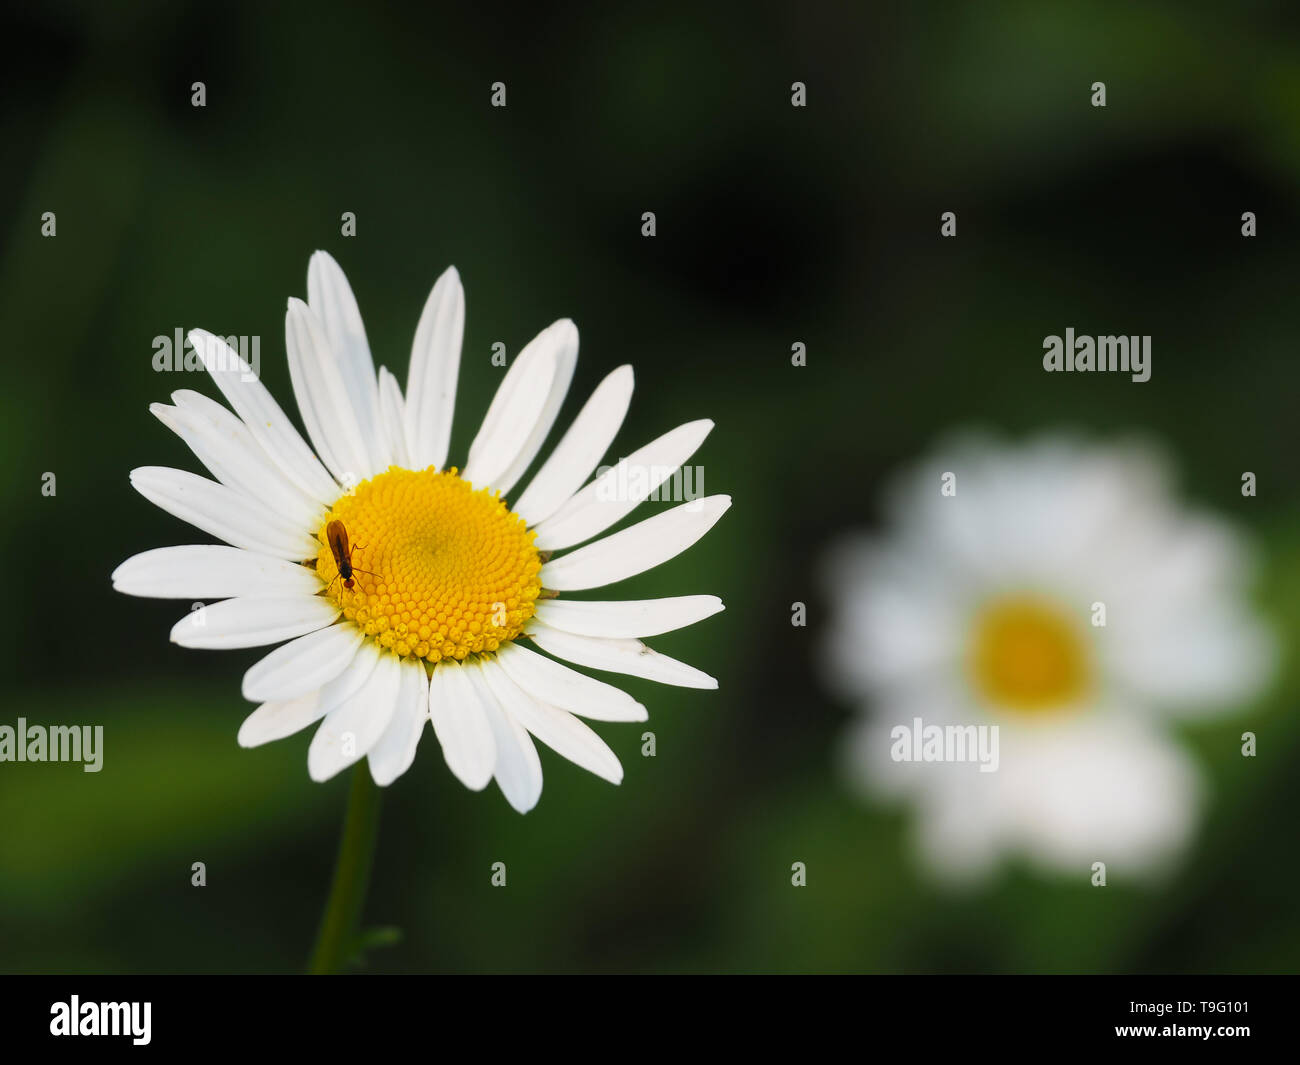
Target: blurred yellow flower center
pixel 440 570
pixel 1028 655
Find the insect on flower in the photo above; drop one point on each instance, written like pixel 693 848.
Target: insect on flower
pixel 337 535
pixel 449 639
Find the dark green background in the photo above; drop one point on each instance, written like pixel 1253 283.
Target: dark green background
pixel 776 225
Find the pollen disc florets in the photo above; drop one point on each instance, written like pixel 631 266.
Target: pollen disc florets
pixel 1029 655
pixel 440 569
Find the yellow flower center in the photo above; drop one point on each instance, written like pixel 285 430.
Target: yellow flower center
pixel 439 569
pixel 1029 656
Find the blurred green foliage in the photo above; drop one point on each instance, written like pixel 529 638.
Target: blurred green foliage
pixel 775 225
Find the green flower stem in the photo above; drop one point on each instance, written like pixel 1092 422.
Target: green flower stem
pixel 340 925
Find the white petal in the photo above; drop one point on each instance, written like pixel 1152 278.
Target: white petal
pixel 355 725
pixel 559 730
pixel 263 416
pixel 461 725
pixel 303 665
pixel 394 752
pixel 619 656
pixel 275 720
pixel 581 448
pixel 518 770
pixel 235 458
pixel 392 417
pixel 556 684
pixel 902 615
pixel 223 512
pixel 518 405
pixel 1189 662
pixel 561 340
pixel 621 488
pixel 435 365
pixel 251 479
pixel 636 549
pixel 629 618
pixel 211 571
pixel 253 622
pixel 322 392
pixel 1103 785
pixel 330 296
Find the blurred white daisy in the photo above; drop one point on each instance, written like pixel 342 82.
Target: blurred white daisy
pixel 441 578
pixel 981 607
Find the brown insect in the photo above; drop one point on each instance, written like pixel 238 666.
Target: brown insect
pixel 337 535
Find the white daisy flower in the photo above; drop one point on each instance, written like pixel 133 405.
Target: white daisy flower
pixel 403 586
pixel 982 608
